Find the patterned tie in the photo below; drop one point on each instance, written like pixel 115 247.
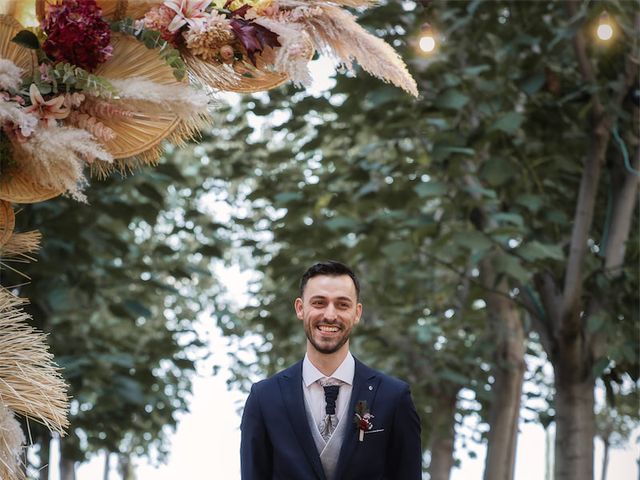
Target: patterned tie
pixel 330 422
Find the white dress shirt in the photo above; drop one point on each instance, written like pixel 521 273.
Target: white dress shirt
pixel 314 393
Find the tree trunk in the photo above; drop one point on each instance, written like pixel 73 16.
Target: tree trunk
pixel 441 443
pixel 575 426
pixel 508 372
pixel 124 466
pixel 107 457
pixel 605 459
pixel 43 470
pixel 548 455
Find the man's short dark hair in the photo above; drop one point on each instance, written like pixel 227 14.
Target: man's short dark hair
pixel 330 268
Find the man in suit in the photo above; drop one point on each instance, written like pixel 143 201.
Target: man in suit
pixel 329 416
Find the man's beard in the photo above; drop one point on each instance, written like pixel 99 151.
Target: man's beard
pixel 327 350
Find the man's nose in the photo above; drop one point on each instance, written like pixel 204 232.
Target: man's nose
pixel 330 312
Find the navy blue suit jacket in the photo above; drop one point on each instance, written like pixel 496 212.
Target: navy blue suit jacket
pixel 277 442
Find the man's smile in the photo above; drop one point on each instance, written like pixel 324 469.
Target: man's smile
pixel 328 328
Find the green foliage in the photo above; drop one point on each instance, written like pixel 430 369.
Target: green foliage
pixel 64 77
pixel 616 421
pixel 416 194
pixel 118 286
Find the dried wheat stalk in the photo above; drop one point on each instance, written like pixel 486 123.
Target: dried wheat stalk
pixel 30 382
pixel 20 245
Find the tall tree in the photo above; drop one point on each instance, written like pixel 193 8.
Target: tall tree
pixel 118 286
pixel 494 153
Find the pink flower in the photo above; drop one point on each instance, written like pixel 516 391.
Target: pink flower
pixel 47 111
pixel 159 18
pixel 191 12
pixel 44 73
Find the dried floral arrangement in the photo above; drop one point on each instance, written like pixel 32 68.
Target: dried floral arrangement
pixel 100 84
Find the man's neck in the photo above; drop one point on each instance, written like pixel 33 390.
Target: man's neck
pixel 327 364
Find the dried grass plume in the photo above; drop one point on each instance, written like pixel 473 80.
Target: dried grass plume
pixel 12 443
pixel 10 75
pixel 56 158
pixel 336 34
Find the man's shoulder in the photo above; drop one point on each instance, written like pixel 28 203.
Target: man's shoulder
pixel 273 380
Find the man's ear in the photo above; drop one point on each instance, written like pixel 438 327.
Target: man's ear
pixel 358 312
pixel 298 304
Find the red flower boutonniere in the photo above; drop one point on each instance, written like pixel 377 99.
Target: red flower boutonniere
pixel 362 419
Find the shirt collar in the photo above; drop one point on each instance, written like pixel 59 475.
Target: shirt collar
pixel 344 372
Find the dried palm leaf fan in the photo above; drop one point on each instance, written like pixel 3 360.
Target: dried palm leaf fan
pixel 7 223
pixel 16 185
pixel 111 9
pixel 30 382
pixel 17 9
pixel 139 136
pixel 15 247
pixel 242 77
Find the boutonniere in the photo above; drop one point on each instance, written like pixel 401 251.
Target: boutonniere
pixel 362 419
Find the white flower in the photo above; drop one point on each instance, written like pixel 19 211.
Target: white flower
pixel 191 12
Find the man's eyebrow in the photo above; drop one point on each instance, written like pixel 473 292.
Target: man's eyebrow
pixel 345 298
pixel 324 297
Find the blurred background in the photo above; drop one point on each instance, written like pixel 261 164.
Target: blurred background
pixel 493 224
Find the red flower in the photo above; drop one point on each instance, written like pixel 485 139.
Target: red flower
pixel 77 34
pixel 362 419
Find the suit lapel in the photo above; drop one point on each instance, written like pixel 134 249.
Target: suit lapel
pixel 365 387
pixel 293 396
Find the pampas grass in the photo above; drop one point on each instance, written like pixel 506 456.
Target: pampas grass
pixel 12 112
pixel 336 34
pixel 10 75
pixel 150 97
pixel 30 383
pixel 12 442
pixel 56 157
pixel 293 56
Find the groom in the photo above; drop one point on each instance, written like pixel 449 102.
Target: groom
pixel 329 416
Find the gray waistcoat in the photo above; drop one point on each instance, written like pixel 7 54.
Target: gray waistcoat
pixel 329 451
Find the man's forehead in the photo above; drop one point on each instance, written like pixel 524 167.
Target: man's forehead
pixel 340 285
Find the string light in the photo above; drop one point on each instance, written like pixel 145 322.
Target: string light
pixel 604 31
pixel 427 41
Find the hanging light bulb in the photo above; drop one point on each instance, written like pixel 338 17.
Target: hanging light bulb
pixel 604 31
pixel 427 41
